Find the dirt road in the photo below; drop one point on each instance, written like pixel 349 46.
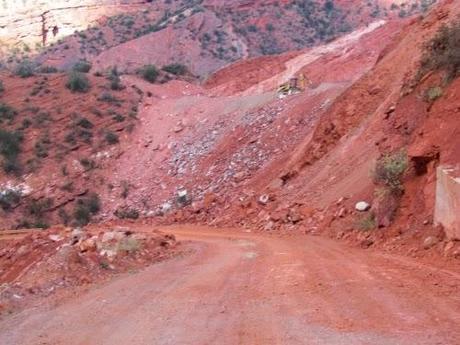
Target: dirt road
pixel 250 289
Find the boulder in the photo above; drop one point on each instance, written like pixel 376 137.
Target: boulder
pixel 55 238
pixel 429 242
pixel 183 198
pixel 264 199
pixel 87 245
pixel 362 206
pixel 166 207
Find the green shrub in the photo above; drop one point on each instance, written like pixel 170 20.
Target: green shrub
pixel 9 198
pixel 443 52
pixel 10 147
pixel 115 80
pixel 433 93
pixel 68 186
pixel 111 138
pixel 129 245
pixel 77 82
pixel 7 113
pixel 176 69
pixel 84 123
pixel 41 148
pixel 367 222
pixel 125 212
pixel 108 98
pixel 390 170
pixel 24 69
pixel 82 66
pixel 48 69
pixel 85 208
pixel 125 187
pixel 37 208
pixel 149 73
pixel 88 164
pixel 2 87
pixel 252 28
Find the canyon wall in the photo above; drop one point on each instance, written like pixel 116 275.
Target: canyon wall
pixel 35 22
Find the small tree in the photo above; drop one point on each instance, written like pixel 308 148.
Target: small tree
pixel 111 138
pixel 443 52
pixel 24 69
pixel 82 66
pixel 9 198
pixel 10 147
pixel 86 208
pixel 77 82
pixel 115 80
pixel 7 112
pixel 176 69
pixel 149 73
pixel 389 171
pixel 48 69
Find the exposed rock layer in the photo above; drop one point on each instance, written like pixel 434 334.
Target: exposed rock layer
pixel 32 22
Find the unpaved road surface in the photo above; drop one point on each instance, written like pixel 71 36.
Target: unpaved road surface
pixel 237 288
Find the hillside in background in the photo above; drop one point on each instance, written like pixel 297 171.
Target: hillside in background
pixel 205 35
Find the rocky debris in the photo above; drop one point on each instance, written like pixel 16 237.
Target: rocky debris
pixel 165 208
pixel 179 127
pixel 183 198
pixel 429 242
pixel 55 238
pixel 263 199
pixel 384 209
pixel 362 206
pixel 71 257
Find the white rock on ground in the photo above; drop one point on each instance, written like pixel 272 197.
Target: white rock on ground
pixel 362 206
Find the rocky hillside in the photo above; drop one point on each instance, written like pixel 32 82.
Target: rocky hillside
pixel 145 141
pixel 202 34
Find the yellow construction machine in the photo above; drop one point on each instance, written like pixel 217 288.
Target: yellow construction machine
pixel 294 85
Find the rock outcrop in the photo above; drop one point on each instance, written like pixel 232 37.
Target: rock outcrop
pixel 447 209
pixel 40 22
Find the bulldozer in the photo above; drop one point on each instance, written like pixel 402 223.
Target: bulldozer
pixel 293 86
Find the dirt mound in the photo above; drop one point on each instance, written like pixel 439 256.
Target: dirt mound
pixel 44 262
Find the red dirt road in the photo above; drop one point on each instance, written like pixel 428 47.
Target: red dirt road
pixel 237 288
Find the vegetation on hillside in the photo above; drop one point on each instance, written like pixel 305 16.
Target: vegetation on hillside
pixel 442 53
pixel 77 82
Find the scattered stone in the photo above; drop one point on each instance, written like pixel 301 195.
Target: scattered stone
pixel 448 247
pixel 209 199
pixel 342 212
pixel 366 243
pixel 276 184
pixel 294 216
pixel 183 198
pixel 429 242
pixel 77 233
pixel 88 245
pixel 55 238
pixel 269 226
pixel 264 199
pixel 362 206
pixel 179 127
pixel 239 176
pixel 166 207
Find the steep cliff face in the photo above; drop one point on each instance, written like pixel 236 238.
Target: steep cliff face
pixel 38 22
